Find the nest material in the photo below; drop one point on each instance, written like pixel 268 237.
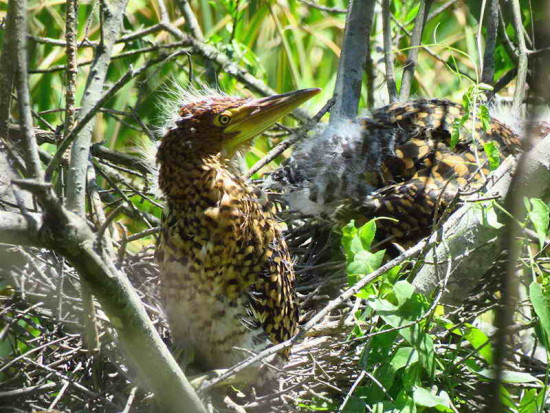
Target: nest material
pixel 55 368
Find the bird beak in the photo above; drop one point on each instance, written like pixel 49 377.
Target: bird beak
pixel 255 116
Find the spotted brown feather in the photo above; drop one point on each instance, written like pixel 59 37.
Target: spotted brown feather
pixel 226 275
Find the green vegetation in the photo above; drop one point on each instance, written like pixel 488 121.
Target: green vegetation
pixel 413 353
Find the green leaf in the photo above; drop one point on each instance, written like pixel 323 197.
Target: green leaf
pixel 539 214
pixel 489 217
pixel 424 397
pixel 455 133
pixel 493 154
pixel 479 341
pixel 381 348
pixel 510 376
pixel 366 234
pixel 365 262
pixel 485 118
pixel 541 304
pixel 349 233
pixel 404 356
pixel 403 292
pixel 405 403
pixel 531 402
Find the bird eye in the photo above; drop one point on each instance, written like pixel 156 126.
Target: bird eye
pixel 224 119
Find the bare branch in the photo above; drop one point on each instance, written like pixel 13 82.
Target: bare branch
pixel 519 92
pixel 190 19
pixel 113 14
pixel 490 43
pixel 18 12
pixel 324 8
pixel 351 66
pixel 388 52
pixel 7 71
pixel 69 235
pixel 416 40
pixel 71 49
pixel 17 229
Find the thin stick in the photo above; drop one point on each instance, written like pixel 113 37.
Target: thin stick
pixel 490 43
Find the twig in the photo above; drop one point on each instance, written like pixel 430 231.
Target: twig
pixel 356 383
pixel 27 391
pixel 7 70
pixel 428 50
pixel 324 8
pixel 441 9
pixel 283 146
pixel 133 52
pixel 130 400
pixel 190 19
pixel 58 42
pixel 71 49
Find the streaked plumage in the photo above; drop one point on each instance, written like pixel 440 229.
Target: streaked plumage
pixel 226 275
pixel 396 163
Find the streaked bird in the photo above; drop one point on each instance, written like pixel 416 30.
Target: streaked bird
pixel 227 280
pixel 400 162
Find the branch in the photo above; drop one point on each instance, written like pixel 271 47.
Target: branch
pixel 190 19
pixel 388 51
pixel 519 92
pixel 18 229
pixel 69 235
pixel 416 40
pixel 71 50
pixel 112 15
pixel 351 66
pixel 7 70
pixel 18 12
pixel 472 244
pixel 490 43
pixel 86 117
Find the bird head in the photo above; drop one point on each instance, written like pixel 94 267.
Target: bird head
pixel 225 124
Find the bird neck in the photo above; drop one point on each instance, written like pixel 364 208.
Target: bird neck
pixel 182 180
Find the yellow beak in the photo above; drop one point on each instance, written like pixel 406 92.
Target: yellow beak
pixel 255 116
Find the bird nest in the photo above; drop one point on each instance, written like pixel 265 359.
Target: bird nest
pixel 47 363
